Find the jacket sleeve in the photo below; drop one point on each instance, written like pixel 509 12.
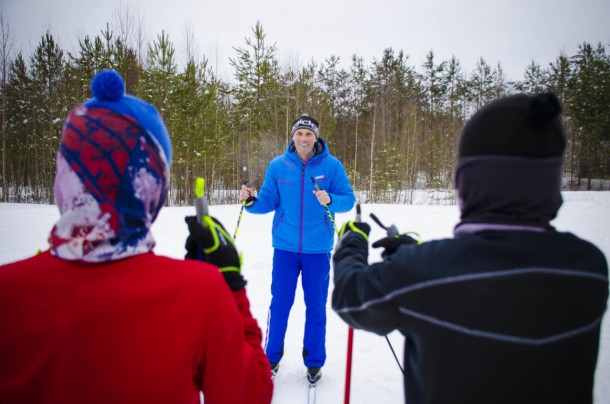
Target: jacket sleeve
pixel 258 386
pixel 360 296
pixel 341 192
pixel 234 366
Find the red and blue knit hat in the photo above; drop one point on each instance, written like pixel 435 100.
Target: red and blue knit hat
pixel 112 175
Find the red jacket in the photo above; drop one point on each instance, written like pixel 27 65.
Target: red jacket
pixel 145 329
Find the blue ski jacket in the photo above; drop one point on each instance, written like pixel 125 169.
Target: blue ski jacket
pixel 300 223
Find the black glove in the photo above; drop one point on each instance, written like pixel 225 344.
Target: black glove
pixel 391 243
pixel 361 228
pixel 213 244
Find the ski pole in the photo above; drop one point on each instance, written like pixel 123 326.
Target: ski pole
pixel 201 206
pixel 392 231
pixel 201 203
pixel 241 211
pixel 348 369
pixel 350 340
pixel 330 216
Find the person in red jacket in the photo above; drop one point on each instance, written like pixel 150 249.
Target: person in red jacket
pixel 99 318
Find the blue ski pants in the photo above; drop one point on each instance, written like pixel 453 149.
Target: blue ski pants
pixel 315 276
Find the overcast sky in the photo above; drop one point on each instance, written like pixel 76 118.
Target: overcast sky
pixel 512 32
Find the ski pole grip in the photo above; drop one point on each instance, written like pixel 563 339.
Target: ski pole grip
pixel 392 231
pixel 201 207
pixel 245 184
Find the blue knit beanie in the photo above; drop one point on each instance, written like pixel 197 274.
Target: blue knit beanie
pixel 112 175
pixel 108 91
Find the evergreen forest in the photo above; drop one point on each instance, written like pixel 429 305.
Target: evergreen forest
pixel 394 126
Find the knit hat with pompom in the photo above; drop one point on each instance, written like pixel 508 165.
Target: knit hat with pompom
pixel 510 162
pixel 112 175
pixel 518 125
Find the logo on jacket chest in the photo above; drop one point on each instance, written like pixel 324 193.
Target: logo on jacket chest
pixel 320 179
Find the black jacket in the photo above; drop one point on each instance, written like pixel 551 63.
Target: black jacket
pixel 491 317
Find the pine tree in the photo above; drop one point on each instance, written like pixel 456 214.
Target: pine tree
pixel 589 109
pixel 50 110
pixel 535 80
pixel 257 97
pixel 481 85
pixel 21 144
pixel 392 91
pixel 356 109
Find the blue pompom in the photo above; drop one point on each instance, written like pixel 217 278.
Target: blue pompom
pixel 107 85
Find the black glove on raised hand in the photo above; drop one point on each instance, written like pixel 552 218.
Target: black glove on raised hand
pixel 212 243
pixel 391 243
pixel 359 227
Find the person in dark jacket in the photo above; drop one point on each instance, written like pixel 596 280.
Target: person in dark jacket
pixel 508 310
pixel 305 187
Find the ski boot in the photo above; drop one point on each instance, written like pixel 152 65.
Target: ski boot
pixel 313 375
pixel 274 369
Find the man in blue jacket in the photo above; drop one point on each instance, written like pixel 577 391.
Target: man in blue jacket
pixel 303 236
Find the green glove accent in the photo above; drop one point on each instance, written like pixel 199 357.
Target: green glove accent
pixel 361 228
pixel 212 238
pixel 414 235
pixel 219 234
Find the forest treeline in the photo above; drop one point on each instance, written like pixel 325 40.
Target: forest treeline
pixel 394 126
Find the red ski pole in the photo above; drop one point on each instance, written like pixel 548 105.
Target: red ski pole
pixel 348 369
pixel 350 339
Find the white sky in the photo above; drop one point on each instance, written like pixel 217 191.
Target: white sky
pixel 510 32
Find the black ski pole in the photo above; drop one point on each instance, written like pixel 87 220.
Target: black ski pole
pixel 241 211
pixel 392 231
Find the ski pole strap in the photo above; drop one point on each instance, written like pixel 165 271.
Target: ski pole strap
pixel 221 238
pixel 351 226
pixel 393 231
pixel 219 234
pixel 232 269
pixel 415 235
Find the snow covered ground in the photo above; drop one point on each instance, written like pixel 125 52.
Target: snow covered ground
pixel 375 374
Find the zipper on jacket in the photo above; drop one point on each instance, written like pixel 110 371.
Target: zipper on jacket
pixel 302 205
